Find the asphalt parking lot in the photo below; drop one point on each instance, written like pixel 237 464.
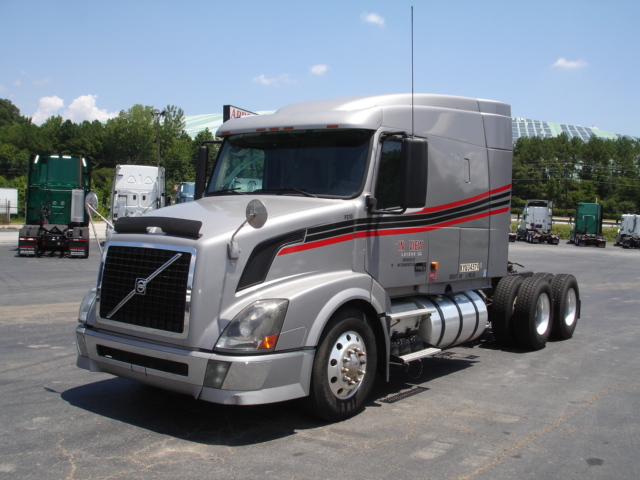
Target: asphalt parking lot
pixel 475 412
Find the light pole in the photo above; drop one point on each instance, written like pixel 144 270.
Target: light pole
pixel 157 114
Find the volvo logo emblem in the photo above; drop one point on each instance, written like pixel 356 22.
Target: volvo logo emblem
pixel 141 286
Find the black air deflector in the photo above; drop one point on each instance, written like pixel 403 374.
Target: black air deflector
pixel 262 257
pixel 160 364
pixel 179 227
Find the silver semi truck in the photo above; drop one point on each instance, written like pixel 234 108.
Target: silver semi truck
pixel 628 235
pixel 376 235
pixel 536 224
pixel 136 189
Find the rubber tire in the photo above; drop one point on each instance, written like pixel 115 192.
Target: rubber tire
pixel 322 401
pixel 563 302
pixel 547 276
pixel 502 308
pixel 531 305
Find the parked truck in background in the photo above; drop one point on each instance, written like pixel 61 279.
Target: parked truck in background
pixel 185 192
pixel 8 203
pixel 587 229
pixel 377 237
pixel 536 224
pixel 137 189
pixel 56 220
pixel 628 235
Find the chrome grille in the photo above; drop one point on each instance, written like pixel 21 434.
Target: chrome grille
pixel 133 292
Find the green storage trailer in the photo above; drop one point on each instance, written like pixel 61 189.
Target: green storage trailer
pixel 56 219
pixel 587 229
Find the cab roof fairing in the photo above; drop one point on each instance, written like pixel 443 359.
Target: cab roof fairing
pixel 418 99
pixel 434 115
pixel 368 119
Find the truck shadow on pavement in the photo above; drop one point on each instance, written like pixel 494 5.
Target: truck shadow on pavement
pixel 183 417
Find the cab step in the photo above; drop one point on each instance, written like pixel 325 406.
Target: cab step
pixel 427 352
pixel 412 313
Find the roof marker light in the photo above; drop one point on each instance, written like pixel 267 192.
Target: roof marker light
pixel 332 126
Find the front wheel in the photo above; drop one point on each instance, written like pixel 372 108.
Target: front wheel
pixel 344 367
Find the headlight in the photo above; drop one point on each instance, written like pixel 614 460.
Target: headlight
pixel 87 303
pixel 256 328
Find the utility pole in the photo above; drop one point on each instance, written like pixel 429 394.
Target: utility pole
pixel 157 114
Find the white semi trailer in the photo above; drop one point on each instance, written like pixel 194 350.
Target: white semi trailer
pixel 536 224
pixel 376 236
pixel 628 235
pixel 137 189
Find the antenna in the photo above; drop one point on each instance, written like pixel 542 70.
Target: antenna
pixel 412 116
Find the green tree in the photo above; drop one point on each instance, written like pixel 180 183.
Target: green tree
pixel 528 168
pixel 10 114
pixel 88 140
pixel 130 137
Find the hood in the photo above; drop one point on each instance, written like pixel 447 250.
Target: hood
pixel 223 215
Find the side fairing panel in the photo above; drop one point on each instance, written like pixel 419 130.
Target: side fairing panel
pixel 458 178
pixel 474 253
pixel 500 175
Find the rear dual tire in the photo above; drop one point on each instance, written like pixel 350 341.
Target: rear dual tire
pixel 533 313
pixel 566 306
pixel 504 300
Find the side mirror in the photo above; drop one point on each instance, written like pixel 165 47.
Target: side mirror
pixel 413 172
pixel 256 216
pixel 91 200
pixel 201 171
pixel 256 213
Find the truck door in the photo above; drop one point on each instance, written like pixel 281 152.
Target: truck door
pixel 396 248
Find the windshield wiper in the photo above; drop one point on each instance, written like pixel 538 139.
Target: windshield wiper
pixel 227 190
pixel 282 190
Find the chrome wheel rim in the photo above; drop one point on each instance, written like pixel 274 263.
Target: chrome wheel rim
pixel 543 314
pixel 571 308
pixel 346 368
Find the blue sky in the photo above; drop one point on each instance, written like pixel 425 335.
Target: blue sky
pixel 573 61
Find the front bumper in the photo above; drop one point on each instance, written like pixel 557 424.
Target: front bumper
pixel 249 380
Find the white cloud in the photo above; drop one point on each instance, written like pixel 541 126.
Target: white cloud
pixel 569 64
pixel 319 69
pixel 84 108
pixel 371 17
pixel 283 79
pixel 81 109
pixel 47 107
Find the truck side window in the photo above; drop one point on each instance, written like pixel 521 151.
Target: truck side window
pixel 388 183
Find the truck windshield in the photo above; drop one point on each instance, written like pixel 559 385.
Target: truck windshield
pixel 306 162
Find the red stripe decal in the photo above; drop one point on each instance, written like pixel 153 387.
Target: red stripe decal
pixel 462 202
pixel 381 233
